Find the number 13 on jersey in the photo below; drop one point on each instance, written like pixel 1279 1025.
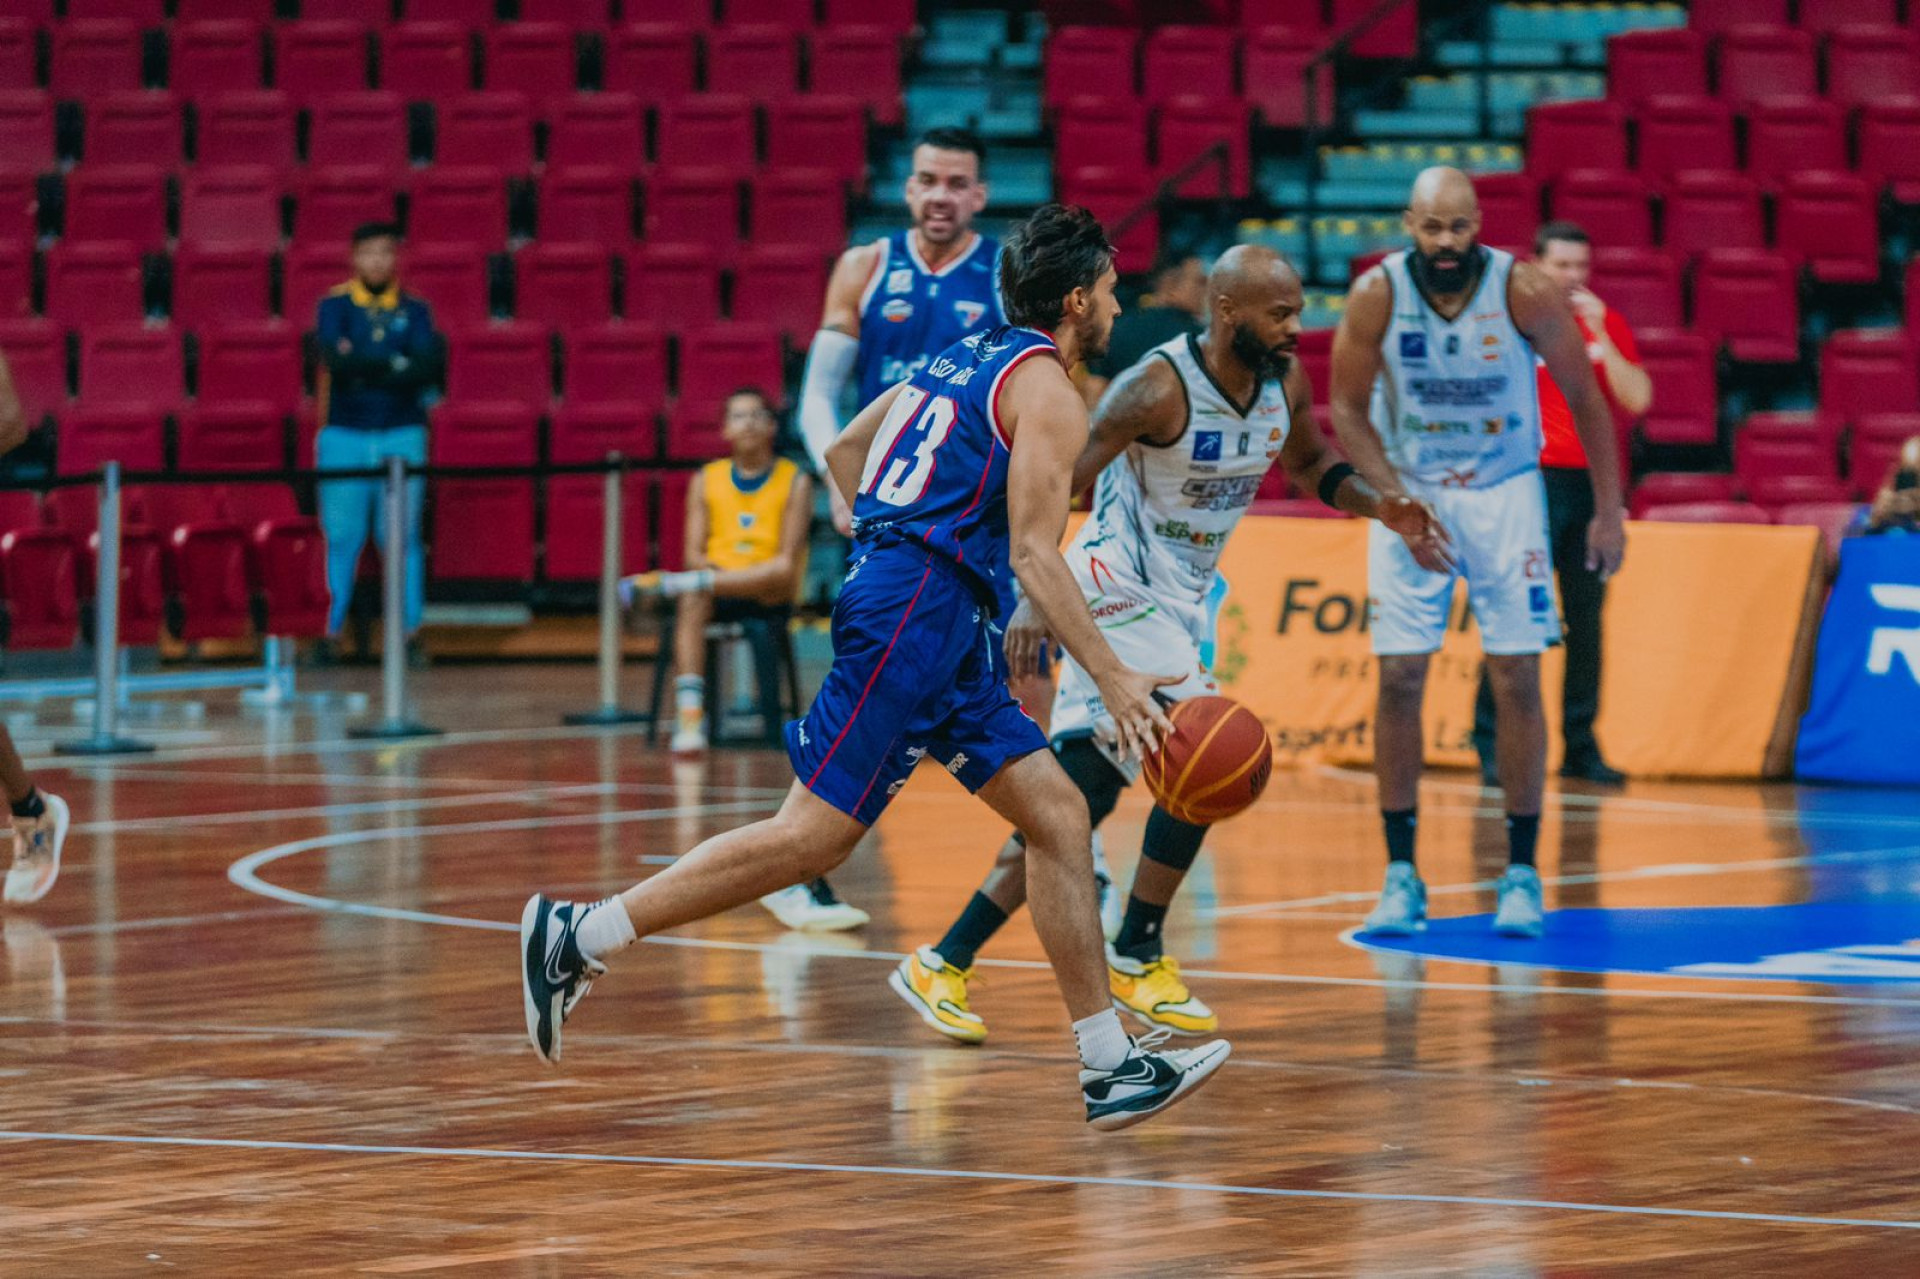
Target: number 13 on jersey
pixel 901 461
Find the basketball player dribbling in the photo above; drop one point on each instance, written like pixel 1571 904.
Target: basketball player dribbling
pixel 1434 398
pixel 957 478
pixel 1180 445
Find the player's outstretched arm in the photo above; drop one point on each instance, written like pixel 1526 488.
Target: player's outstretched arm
pixel 1541 313
pixel 847 455
pixel 830 363
pixel 1047 421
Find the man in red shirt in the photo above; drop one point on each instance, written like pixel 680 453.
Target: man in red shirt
pixel 1562 250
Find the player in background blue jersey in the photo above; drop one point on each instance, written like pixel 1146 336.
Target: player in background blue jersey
pixel 961 475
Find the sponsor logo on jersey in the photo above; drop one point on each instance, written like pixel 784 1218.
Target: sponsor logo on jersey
pixel 1458 392
pixel 969 312
pixel 900 281
pixel 1491 348
pixel 1539 599
pixel 1413 346
pixel 1228 493
pixel 1206 446
pixel 746 519
pixel 958 762
pixel 897 311
pixel 1107 607
pixel 1185 533
pixel 895 370
pixel 1453 344
pixel 941 367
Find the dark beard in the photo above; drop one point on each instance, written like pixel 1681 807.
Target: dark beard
pixel 1445 283
pixel 1094 343
pixel 1265 363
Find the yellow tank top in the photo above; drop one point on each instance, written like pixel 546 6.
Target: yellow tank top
pixel 743 524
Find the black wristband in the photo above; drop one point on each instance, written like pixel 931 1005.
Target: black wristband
pixel 1330 482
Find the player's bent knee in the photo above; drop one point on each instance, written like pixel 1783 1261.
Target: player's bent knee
pixel 1093 775
pixel 1171 842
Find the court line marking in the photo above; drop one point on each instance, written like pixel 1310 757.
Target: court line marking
pixel 244 873
pixel 524 795
pixel 948 1174
pixel 351 746
pixel 391 781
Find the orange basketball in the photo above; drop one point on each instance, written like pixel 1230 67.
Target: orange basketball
pixel 1215 763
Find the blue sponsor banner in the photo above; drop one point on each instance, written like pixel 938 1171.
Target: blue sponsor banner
pixel 1864 721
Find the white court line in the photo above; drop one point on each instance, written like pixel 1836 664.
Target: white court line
pixel 522 796
pixel 950 1174
pixel 389 781
pixel 353 745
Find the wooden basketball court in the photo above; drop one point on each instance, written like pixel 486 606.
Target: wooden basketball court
pixel 268 1022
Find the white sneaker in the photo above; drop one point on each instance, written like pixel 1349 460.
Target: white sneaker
pixel 814 907
pixel 36 851
pixel 688 740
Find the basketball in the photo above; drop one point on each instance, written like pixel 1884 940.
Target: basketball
pixel 1214 765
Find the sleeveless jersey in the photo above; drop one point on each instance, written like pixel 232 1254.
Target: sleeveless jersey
pixel 909 313
pixel 937 472
pixel 1162 514
pixel 743 520
pixel 1456 404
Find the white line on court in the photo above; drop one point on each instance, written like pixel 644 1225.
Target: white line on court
pixel 950 1174
pixel 524 795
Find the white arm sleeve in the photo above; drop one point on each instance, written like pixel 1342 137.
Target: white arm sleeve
pixel 829 364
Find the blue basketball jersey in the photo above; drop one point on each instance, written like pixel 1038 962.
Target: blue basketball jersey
pixel 909 313
pixel 937 471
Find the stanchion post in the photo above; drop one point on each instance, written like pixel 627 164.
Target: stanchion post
pixel 393 624
pixel 106 634
pixel 612 539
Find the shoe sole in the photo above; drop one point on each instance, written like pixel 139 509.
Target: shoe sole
pixel 1190 1082
pixel 62 818
pixel 1155 1024
pixel 1520 932
pixel 919 1005
pixel 1395 930
pixel 529 927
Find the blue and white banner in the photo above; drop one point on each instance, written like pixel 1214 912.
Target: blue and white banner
pixel 1864 721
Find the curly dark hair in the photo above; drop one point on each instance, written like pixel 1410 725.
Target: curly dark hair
pixel 1059 249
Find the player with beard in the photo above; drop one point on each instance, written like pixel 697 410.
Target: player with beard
pixel 1180 445
pixel 1435 400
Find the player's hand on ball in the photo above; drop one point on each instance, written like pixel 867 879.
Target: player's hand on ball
pixel 1425 535
pixel 842 513
pixel 1606 543
pixel 1139 725
pixel 1026 638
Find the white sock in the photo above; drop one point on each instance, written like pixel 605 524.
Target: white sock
pixel 1103 1044
pixel 605 928
pixel 689 693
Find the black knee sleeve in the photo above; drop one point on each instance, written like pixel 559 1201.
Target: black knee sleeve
pixel 1093 775
pixel 1170 841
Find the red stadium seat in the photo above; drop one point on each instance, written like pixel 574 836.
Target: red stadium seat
pixel 26 131
pixel 368 13
pixel 361 130
pixel 19 206
pixel 693 432
pixel 1102 132
pixel 452 279
pixel 1680 488
pixel 758 61
pixel 126 202
pixel 1709 210
pixel 1575 135
pixel 711 131
pixel 286 558
pixel 507 363
pixel 862 61
pixel 1757 62
pixel 537 59
pixel 1183 61
pixel 221 284
pixel 576 15
pixel 1394 36
pixel 1864 371
pixel 563 286
pixel 889 15
pixel 330 202
pixel 1186 128
pixel 588 432
pixel 1748 299
pixel 253 362
pixel 1677 134
pixel 1277 61
pixel 39 580
pixel 764 12
pixel 1911 291
pixel 805 207
pixel 825 131
pixel 131 365
pixel 1084 60
pixel 482 530
pixel 233 436
pixel 583 203
pixel 248 127
pixel 1302 15
pixel 150 13
pixel 137 127
pixel 203 560
pixel 20 509
pixel 596 129
pixel 486 433
pixel 426 61
pixel 1874 447
pixel 1831 221
pixel 1111 194
pixel 92 57
pixel 1614 208
pixel 19 52
pixel 317 59
pixel 1831 518
pixel 674 286
pixel 1829 15
pixel 16 281
pixel 133 435
pixel 1868 65
pixel 1888 137
pixel 1791 135
pixel 36 354
pixel 1509 207
pixel 621 364
pixel 655 62
pixel 715 361
pixel 1780 493
pixel 236 207
pixel 1685 411
pixel 576 524
pixel 780 286
pixel 459 205
pixel 1641 284
pixel 1643 64
pixel 695 206
pixel 491 129
pixel 471 14
pixel 94 282
pixel 1315 353
pixel 1708 513
pixel 1711 17
pixel 215 57
pixel 75 512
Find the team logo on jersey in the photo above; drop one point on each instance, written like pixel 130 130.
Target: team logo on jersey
pixel 1206 446
pixel 900 281
pixel 897 311
pixel 1491 348
pixel 969 312
pixel 1413 346
pixel 746 519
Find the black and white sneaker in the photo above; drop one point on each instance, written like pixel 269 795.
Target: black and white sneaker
pixel 1147 1082
pixel 554 975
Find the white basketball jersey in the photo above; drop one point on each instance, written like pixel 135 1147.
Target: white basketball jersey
pixel 1162 513
pixel 1457 405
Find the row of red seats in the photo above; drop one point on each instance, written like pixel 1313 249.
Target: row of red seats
pixel 370 130
pixel 1190 61
pixel 1712 16
pixel 1396 36
pixel 1863 64
pixel 1791 457
pixel 660 63
pixel 560 285
pixel 241 206
pixel 895 15
pixel 491 530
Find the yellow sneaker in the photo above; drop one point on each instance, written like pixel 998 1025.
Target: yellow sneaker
pixel 1154 993
pixel 938 992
